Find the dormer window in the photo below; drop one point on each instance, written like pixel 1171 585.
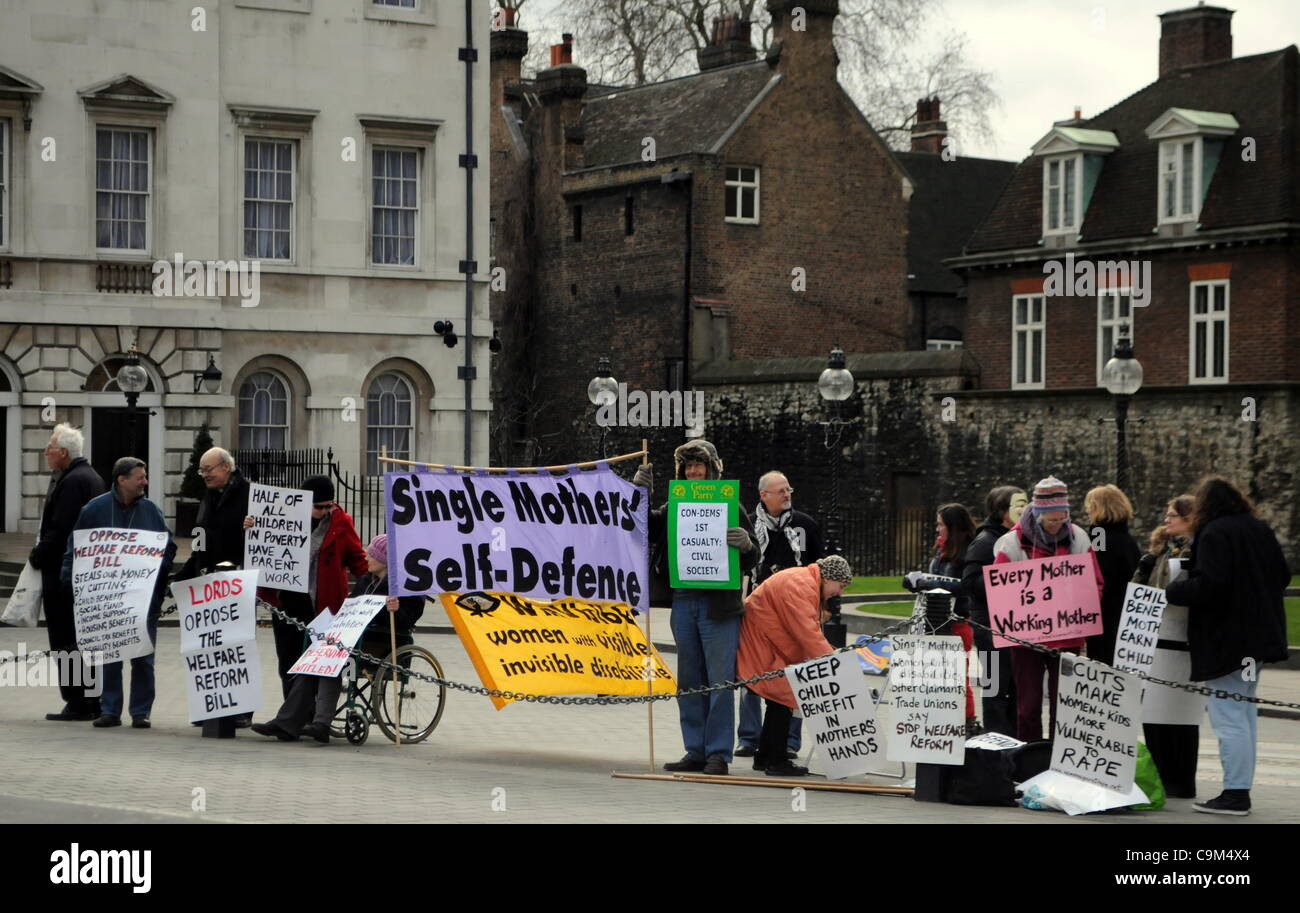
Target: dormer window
pixel 1190 145
pixel 1072 158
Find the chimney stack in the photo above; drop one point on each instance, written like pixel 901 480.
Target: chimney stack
pixel 930 130
pixel 562 53
pixel 730 44
pixel 508 46
pixel 1195 36
pixel 561 88
pixel 803 46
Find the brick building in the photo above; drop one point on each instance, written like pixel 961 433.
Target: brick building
pixel 746 212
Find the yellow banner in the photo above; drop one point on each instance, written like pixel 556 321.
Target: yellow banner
pixel 565 646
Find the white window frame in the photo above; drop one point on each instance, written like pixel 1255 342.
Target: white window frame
pixel 412 392
pixel 1191 182
pixel 1209 318
pixel 418 152
pixel 149 196
pixel 288 410
pixel 423 13
pixel 740 186
pixel 1105 352
pixel 292 201
pixel 6 190
pixel 941 345
pixel 1029 327
pixel 1059 192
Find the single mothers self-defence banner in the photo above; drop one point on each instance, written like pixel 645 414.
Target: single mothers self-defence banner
pixel 579 534
pixel 699 514
pixel 219 643
pixel 278 541
pixel 114 573
pixel 1043 599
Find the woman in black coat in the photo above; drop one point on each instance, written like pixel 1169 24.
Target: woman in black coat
pixel 1110 512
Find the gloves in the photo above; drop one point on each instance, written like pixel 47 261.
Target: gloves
pixel 645 477
pixel 738 538
pixel 913 580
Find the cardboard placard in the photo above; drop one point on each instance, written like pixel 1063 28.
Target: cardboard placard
pixel 114 573
pixel 1098 723
pixel 218 621
pixel 1043 599
pixel 927 677
pixel 279 542
pixel 699 514
pixel 832 697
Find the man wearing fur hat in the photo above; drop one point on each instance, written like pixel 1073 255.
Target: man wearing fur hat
pixel 705 623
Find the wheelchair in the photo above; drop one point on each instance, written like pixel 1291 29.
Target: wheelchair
pixel 369 696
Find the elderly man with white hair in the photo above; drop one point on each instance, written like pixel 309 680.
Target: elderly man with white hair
pixel 72 485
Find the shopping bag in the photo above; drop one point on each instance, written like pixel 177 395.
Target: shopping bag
pixel 1147 777
pixel 24 605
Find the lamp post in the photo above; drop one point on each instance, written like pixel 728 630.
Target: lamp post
pixel 209 378
pixel 131 380
pixel 602 390
pixel 1122 376
pixel 834 386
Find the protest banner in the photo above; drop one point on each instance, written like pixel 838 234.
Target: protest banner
pixel 927 677
pixel 1097 720
pixel 1152 639
pixel 581 534
pixel 1139 628
pixel 278 541
pixel 1043 599
pixel 838 712
pixel 327 656
pixel 569 646
pixel 218 624
pixel 699 514
pixel 114 573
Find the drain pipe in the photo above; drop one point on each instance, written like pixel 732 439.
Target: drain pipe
pixel 469 161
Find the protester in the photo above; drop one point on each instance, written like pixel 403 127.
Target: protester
pixel 312 699
pixel 786 538
pixel 705 624
pixel 1236 623
pixel 222 519
pixel 1171 718
pixel 124 506
pixel 954 530
pixel 73 483
pixel 782 626
pixel 1002 507
pixel 335 550
pixel 1044 531
pixel 1110 512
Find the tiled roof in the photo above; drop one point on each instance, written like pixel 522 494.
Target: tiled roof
pixel 1260 91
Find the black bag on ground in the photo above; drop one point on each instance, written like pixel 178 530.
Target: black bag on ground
pixel 1030 759
pixel 984 779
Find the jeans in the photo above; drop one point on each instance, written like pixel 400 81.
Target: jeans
pixel 1234 725
pixel 142 681
pixel 751 722
pixel 706 654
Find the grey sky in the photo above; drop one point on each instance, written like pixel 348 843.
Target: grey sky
pixel 1049 56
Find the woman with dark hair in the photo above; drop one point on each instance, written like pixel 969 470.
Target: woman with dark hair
pixel 1236 622
pixel 1110 512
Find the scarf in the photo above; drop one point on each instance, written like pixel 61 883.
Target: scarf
pixel 765 524
pixel 1038 537
pixel 318 529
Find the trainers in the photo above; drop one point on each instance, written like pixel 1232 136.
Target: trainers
pixel 685 765
pixel 786 770
pixel 106 720
pixel 140 721
pixel 745 751
pixel 715 766
pixel 1228 802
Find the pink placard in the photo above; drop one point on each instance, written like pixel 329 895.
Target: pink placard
pixel 1043 599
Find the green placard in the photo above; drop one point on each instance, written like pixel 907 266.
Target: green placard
pixel 699 514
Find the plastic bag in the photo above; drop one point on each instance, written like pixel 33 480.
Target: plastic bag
pixel 1147 777
pixel 24 606
pixel 1061 792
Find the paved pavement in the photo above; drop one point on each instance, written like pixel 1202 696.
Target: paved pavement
pixel 520 764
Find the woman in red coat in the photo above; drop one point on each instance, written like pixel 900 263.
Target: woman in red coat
pixel 782 626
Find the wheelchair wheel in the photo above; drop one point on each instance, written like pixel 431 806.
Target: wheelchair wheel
pixel 422 702
pixel 355 698
pixel 357 728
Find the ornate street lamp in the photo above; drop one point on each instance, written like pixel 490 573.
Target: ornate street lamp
pixel 1122 376
pixel 132 380
pixel 602 390
pixel 209 378
pixel 834 386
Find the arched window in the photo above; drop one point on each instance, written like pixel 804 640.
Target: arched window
pixel 264 412
pixel 390 420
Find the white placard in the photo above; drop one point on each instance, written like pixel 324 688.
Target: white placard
pixel 1097 723
pixel 1139 628
pixel 219 643
pixel 702 541
pixel 114 572
pixel 328 657
pixel 832 697
pixel 927 677
pixel 994 741
pixel 279 540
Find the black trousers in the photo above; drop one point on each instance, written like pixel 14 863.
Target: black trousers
pixel 1173 749
pixel 289 640
pixel 62 630
pixel 999 705
pixel 774 734
pixel 310 699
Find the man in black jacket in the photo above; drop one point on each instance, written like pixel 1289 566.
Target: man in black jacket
pixel 1235 623
pixel 1002 507
pixel 72 484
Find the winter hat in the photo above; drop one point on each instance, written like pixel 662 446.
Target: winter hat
pixel 697 451
pixel 378 548
pixel 1050 494
pixel 321 488
pixel 835 567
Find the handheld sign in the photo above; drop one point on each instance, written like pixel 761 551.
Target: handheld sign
pixel 927 676
pixel 1139 628
pixel 1097 718
pixel 699 514
pixel 279 540
pixel 114 573
pixel 831 696
pixel 328 656
pixel 1043 599
pixel 219 643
